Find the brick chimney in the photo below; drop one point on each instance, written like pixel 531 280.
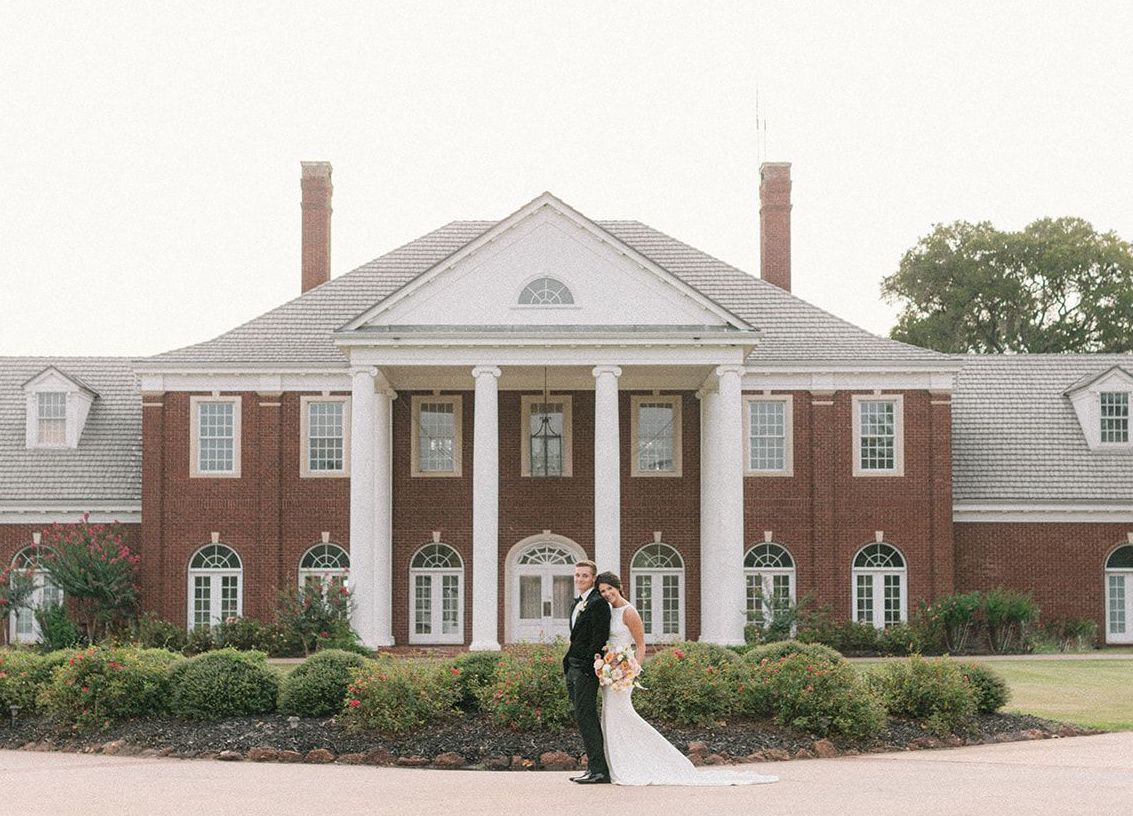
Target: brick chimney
pixel 775 223
pixel 317 189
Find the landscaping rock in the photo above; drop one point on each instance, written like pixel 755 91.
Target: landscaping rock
pixel 412 762
pixel 697 748
pixel 824 749
pixel 230 756
pixel 778 755
pixel 113 747
pixel 1033 734
pixel 953 741
pixel 803 753
pixel 757 756
pixel 263 753
pixel 922 743
pixel 557 761
pixel 496 763
pixel 356 758
pixel 379 756
pixel 715 759
pixel 290 756
pixel 449 760
pixel 1068 730
pixel 319 756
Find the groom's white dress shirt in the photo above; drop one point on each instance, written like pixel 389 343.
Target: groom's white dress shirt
pixel 578 606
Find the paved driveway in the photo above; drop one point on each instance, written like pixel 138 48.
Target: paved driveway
pixel 1088 775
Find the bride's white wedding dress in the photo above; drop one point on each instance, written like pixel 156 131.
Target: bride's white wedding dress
pixel 636 753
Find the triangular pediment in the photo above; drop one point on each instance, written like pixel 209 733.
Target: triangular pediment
pixel 1114 377
pixel 52 379
pixel 607 283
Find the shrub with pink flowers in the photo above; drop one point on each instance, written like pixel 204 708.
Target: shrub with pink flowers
pixel 688 684
pixel 96 686
pixel 395 696
pixel 317 616
pixel 96 570
pixel 528 690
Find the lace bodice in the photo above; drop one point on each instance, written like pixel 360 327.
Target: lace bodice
pixel 620 636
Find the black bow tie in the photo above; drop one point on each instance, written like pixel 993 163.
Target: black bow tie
pixel 578 600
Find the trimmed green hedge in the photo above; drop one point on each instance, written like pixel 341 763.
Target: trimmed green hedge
pixel 224 683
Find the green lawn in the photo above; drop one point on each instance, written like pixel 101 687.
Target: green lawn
pixel 1093 693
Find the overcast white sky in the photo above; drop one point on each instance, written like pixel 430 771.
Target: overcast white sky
pixel 149 194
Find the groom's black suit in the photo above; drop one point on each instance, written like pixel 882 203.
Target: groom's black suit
pixel 588 637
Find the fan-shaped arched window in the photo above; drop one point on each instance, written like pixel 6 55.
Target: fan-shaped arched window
pixel 326 563
pixel 545 292
pixel 880 591
pixel 436 589
pixel 546 554
pixel 216 586
pixel 1119 595
pixel 769 572
pixel 22 625
pixel 657 575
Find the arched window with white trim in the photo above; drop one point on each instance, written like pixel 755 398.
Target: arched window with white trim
pixel 769 574
pixel 216 586
pixel 22 625
pixel 657 576
pixel 325 563
pixel 880 585
pixel 1119 595
pixel 436 595
pixel 546 292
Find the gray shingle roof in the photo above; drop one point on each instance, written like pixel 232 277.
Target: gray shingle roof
pixel 107 464
pixel 791 330
pixel 1015 435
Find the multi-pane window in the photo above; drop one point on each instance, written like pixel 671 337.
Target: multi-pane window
pixel 545 292
pixel 326 437
pixel 767 422
pixel 657 573
pixel 1115 416
pixel 877 440
pixel 436 436
pixel 22 625
pixel 656 436
pixel 435 575
pixel 217 436
pixel 769 573
pixel 1119 595
pixel 52 418
pixel 880 585
pixel 547 436
pixel 326 564
pixel 215 586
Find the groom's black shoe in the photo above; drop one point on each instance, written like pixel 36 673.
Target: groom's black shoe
pixel 594 779
pixel 580 777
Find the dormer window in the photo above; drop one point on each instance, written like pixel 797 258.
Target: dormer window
pixel 57 407
pixel 51 429
pixel 546 292
pixel 1114 417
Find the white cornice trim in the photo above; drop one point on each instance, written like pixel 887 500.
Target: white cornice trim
pixel 70 513
pixel 1042 513
pixel 599 339
pixel 843 379
pixel 235 380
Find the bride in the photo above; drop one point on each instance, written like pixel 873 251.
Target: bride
pixel 635 752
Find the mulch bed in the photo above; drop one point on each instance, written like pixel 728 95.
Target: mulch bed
pixel 473 742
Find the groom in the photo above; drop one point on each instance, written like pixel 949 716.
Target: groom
pixel 589 631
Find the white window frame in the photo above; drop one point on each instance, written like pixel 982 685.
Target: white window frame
pixel 657 574
pixel 1128 421
pixel 215 598
pixel 324 574
pixel 39 441
pixel 898 401
pixel 195 438
pixel 40 582
pixel 788 468
pixel 677 401
pixel 436 589
pixel 767 574
pixel 569 288
pixel 527 401
pixel 1126 574
pixel 878 575
pixel 457 402
pixel 305 471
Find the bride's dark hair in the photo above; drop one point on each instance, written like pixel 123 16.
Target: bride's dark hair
pixel 609 578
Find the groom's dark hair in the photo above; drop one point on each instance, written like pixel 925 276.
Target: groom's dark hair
pixel 593 567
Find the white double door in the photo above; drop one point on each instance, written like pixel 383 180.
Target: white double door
pixel 545 594
pixel 1119 607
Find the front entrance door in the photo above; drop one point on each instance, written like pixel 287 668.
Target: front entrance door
pixel 1119 607
pixel 543 589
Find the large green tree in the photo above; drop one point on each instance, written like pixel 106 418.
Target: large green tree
pixel 1056 285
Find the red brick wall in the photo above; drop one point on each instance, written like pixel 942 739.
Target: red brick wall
pixel 270 516
pixel 1062 564
pixel 824 515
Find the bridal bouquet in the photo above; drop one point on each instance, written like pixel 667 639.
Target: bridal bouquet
pixel 618 668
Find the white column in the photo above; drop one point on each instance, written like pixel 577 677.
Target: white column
pixel 383 515
pixel 711 629
pixel 485 511
pixel 362 503
pixel 607 471
pixel 728 467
